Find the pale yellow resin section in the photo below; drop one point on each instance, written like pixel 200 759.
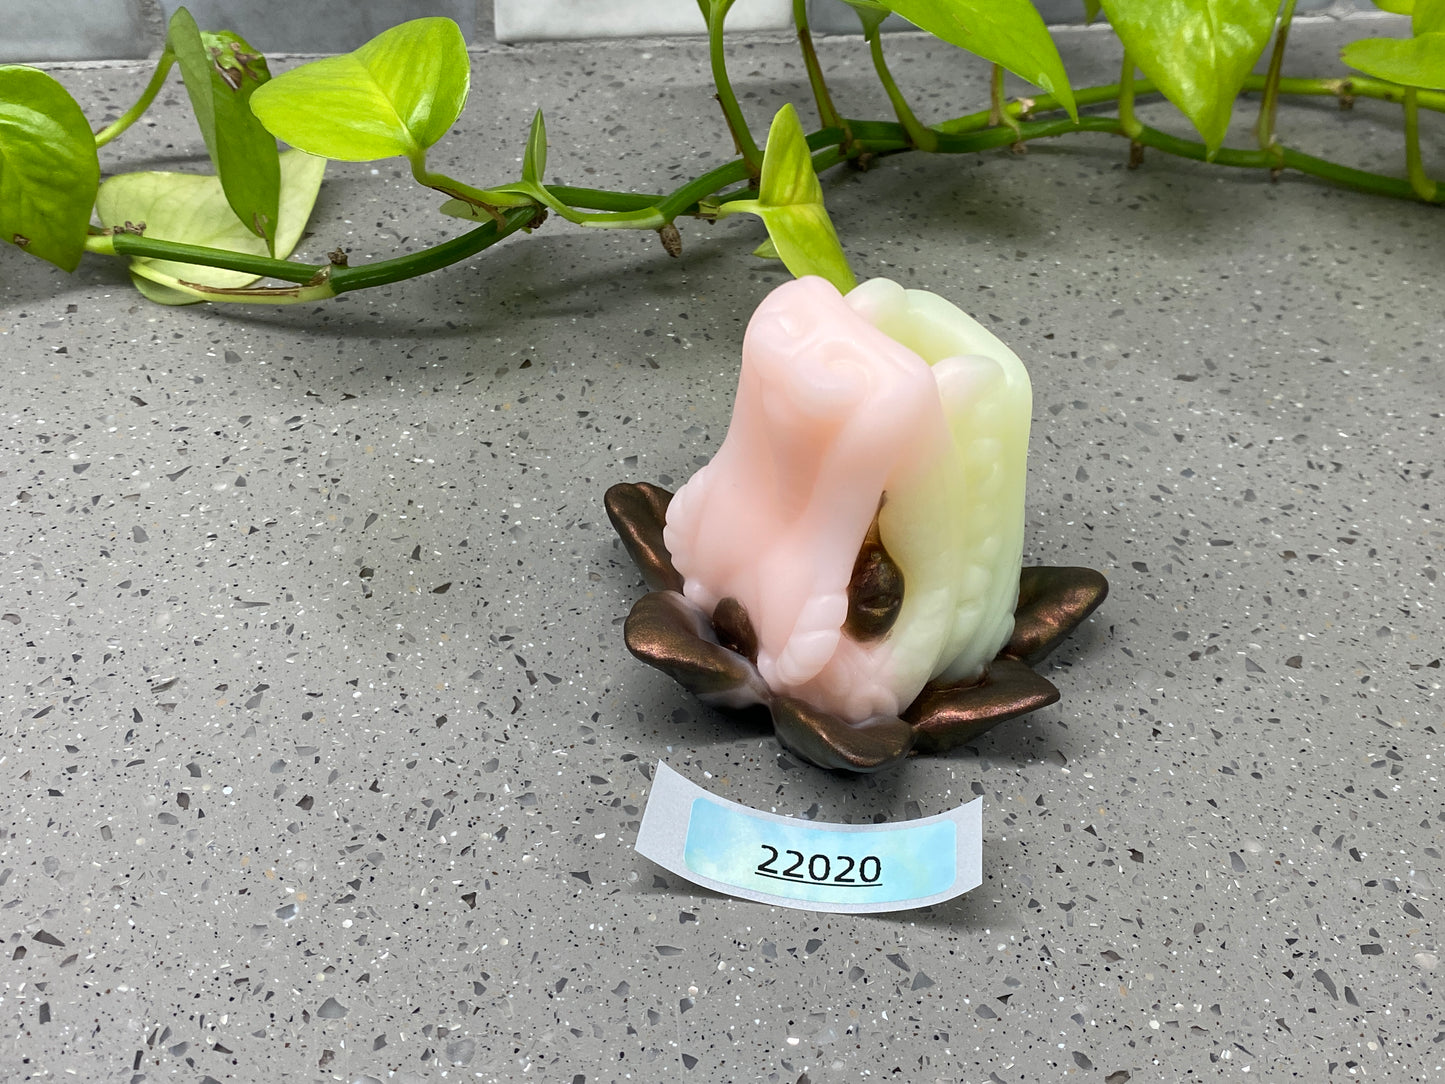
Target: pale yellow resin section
pixel 889 396
pixel 977 519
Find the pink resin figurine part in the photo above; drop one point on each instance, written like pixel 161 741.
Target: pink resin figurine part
pixel 835 423
pixel 850 558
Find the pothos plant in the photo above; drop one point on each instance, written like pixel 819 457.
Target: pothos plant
pixel 227 236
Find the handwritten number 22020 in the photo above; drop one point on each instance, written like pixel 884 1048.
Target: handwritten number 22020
pixel 820 869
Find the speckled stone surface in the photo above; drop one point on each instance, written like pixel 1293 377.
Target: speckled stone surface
pixel 324 757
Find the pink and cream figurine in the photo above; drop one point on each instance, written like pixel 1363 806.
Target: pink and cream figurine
pixel 850 558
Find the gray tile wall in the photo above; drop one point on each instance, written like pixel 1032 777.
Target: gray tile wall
pixel 319 26
pixel 39 30
pixel 58 30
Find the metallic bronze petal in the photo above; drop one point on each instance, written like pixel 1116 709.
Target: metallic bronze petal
pixel 945 716
pixel 735 629
pixel 713 658
pixel 1052 602
pixel 638 512
pixel 875 590
pixel 829 742
pixel 667 631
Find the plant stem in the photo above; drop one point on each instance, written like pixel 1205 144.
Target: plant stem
pixel 597 199
pixel 998 110
pixel 1127 119
pixel 686 198
pixel 646 219
pixel 319 289
pixel 732 112
pixel 918 135
pixel 440 182
pixel 1353 87
pixel 883 138
pixel 1269 102
pixel 312 281
pixel 432 259
pixel 1315 88
pixel 1422 185
pixel 640 210
pixel 827 113
pixel 622 214
pixel 133 244
pixel 1184 148
pixel 133 114
pixel 1043 103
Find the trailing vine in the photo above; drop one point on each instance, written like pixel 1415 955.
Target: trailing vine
pixel 228 236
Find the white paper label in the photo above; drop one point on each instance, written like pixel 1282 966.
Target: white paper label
pixel 808 865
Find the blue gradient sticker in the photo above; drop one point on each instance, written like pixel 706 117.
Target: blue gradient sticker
pixel 820 864
pixel 807 864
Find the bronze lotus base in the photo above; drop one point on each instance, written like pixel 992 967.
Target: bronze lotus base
pixel 712 656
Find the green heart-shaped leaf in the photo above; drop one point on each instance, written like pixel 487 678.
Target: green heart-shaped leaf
pixel 396 95
pixel 1428 17
pixel 48 167
pixel 534 158
pixel 221 72
pixel 192 208
pixel 1197 52
pixel 790 203
pixel 1007 32
pixel 1412 62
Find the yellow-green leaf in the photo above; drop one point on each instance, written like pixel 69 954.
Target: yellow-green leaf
pixel 1006 32
pixel 1197 52
pixel 1428 17
pixel 790 203
pixel 221 72
pixel 191 208
pixel 534 158
pixel 1412 62
pixel 48 167
pixel 396 95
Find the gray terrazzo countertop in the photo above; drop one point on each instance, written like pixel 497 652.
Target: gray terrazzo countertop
pixel 324 757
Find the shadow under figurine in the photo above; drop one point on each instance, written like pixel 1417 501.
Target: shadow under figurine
pixel 850 558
